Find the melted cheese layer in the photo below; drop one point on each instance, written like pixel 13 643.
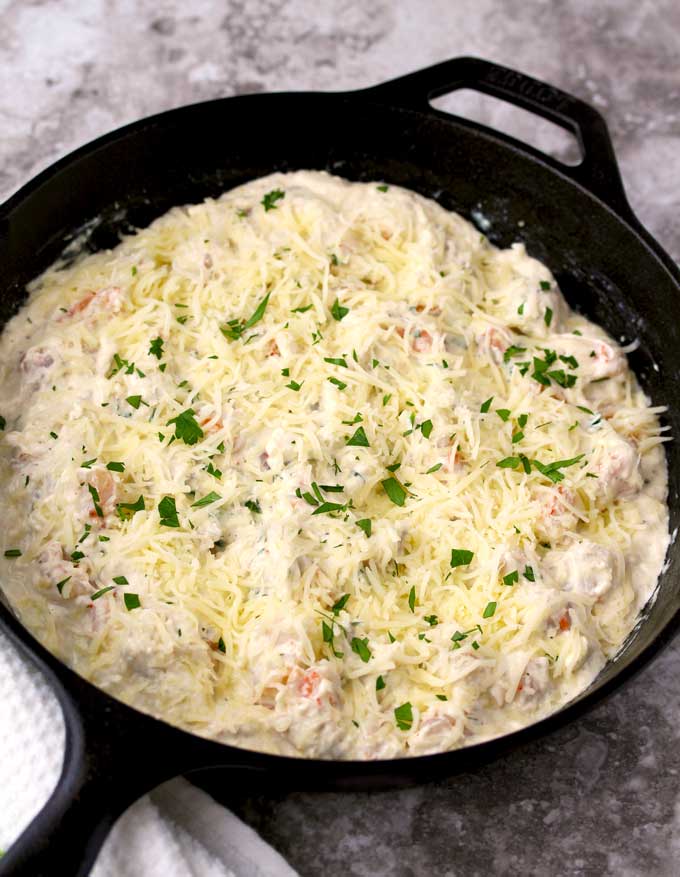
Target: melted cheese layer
pixel 251 463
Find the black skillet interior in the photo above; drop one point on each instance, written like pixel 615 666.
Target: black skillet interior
pixel 575 219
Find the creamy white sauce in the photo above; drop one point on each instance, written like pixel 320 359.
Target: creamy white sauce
pixel 194 567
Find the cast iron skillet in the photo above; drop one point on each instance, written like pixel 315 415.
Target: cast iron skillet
pixel 575 219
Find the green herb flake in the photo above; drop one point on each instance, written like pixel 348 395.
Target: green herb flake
pixel 167 511
pixel 365 525
pixel 302 309
pixel 490 609
pixel 131 601
pixel 135 401
pixel 412 599
pixel 327 507
pixel 504 414
pixel 426 428
pixel 382 188
pixel 547 316
pixel 432 620
pixel 340 604
pixel 95 500
pixel 206 500
pixel 339 360
pixel 60 585
pixel 484 408
pixel 270 199
pixel 337 311
pixel 101 592
pixel 520 309
pixel 512 351
pixel 404 716
pixel 394 491
pixel 156 348
pixel 379 683
pixel 508 463
pixel 115 467
pixel 125 510
pixel 461 557
pixel 293 385
pixel 358 440
pixel 511 578
pixel 529 574
pixel 435 468
pixel 186 427
pixel 360 647
pixel 253 505
pixel 545 286
pixel 517 437
pixel 13 552
pixel 441 697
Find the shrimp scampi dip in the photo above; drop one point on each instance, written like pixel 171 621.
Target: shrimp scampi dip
pixel 313 468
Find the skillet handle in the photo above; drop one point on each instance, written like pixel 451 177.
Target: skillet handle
pixel 598 171
pixel 112 757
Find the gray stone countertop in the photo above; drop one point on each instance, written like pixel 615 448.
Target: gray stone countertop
pixel 602 796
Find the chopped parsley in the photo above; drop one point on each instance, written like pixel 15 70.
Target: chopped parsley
pixel 120 580
pixel 461 557
pixel 135 401
pixel 435 468
pixel 186 427
pixel 13 552
pixel 115 467
pixel 101 592
pixel 87 464
pixel 426 428
pixel 365 525
pixel 412 599
pixel 529 574
pixel 253 505
pixel 545 286
pixel 360 647
pixel 512 351
pixel 382 188
pixel 167 511
pixel 386 398
pixel 340 604
pixel 302 310
pixel 221 647
pixel 270 199
pixel 359 439
pixel 338 383
pixel 125 510
pixel 511 578
pixel 547 316
pixel 337 311
pixel 156 348
pixel 95 500
pixel 404 716
pixel 60 585
pixel 379 683
pixel 432 620
pixel 235 328
pixel 339 360
pixel 293 385
pixel 503 413
pixel 490 609
pixel 484 408
pixel 131 601
pixel 206 500
pixel 327 507
pixel 394 490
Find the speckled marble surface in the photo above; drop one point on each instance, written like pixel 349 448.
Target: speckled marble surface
pixel 601 797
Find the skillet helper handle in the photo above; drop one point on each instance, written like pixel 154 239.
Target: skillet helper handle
pixel 598 171
pixel 111 758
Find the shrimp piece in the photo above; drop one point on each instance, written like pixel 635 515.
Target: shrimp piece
pixel 534 682
pixel 273 348
pixel 436 733
pixel 57 568
pixel 422 341
pixel 108 298
pixel 103 482
pixel 493 342
pixel 558 513
pixel 617 464
pixel 584 567
pixel 35 364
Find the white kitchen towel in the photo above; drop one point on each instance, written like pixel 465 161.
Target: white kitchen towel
pixel 176 831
